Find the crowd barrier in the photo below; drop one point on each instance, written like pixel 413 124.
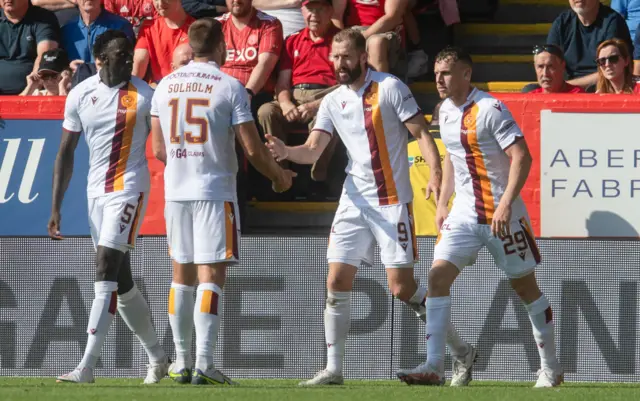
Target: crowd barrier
pixel 583 184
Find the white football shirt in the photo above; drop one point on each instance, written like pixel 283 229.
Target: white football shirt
pixel 197 106
pixel 116 123
pixel 476 136
pixel 370 123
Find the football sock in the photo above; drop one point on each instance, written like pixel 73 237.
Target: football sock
pixel 181 313
pixel 438 323
pixel 337 321
pixel 102 311
pixel 541 318
pixel 134 310
pixel 206 316
pixel 457 345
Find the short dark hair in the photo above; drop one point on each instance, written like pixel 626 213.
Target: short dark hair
pixel 205 35
pixel 454 54
pixel 103 40
pixel 353 36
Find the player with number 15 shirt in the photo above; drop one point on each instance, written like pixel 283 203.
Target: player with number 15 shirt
pixel 197 113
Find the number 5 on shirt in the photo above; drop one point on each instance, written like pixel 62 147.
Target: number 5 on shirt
pixel 189 119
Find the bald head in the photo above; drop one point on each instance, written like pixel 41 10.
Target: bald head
pixel 181 56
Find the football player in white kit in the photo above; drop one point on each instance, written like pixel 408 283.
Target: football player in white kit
pixel 487 163
pixel 112 109
pixel 373 113
pixel 198 111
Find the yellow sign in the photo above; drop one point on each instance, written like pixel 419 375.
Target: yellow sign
pixel 424 210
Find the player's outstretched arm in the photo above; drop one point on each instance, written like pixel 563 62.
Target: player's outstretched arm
pixel 308 153
pixel 259 157
pixel 62 173
pixel 419 129
pixel 157 140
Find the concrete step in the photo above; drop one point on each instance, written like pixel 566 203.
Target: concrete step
pixel 529 11
pixel 489 68
pixel 501 38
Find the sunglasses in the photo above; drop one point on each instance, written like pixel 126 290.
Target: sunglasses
pixel 552 49
pixel 602 61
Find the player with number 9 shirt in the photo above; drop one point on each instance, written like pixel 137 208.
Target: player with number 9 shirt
pixel 197 113
pixel 487 163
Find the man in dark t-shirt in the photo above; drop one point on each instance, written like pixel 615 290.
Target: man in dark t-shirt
pixel 579 31
pixel 26 33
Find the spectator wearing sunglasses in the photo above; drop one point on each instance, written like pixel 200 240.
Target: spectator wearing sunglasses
pixel 549 63
pixel 615 68
pixel 53 77
pixel 578 32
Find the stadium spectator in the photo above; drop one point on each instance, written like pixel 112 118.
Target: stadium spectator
pixel 136 12
pixel 615 65
pixel 381 25
pixel 53 77
pixel 550 66
pixel 288 12
pixel 254 42
pixel 578 32
pixel 157 41
pixel 305 67
pixel 204 8
pixel 79 35
pixel 418 61
pixel 630 11
pixel 64 10
pixel 181 56
pixel 26 33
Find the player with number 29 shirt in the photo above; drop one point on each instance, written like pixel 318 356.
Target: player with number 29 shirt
pixel 197 113
pixel 487 164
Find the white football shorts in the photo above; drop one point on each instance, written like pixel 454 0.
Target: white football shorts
pixel 355 231
pixel 516 254
pixel 203 231
pixel 115 219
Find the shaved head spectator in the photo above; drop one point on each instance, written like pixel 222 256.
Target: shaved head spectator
pixel 181 56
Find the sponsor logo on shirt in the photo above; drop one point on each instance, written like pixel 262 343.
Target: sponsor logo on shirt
pixel 147 8
pixel 127 101
pixel 246 54
pixel 124 10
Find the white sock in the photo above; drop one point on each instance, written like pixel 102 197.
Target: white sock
pixel 541 318
pixel 206 316
pixel 438 323
pixel 337 321
pixel 134 310
pixel 457 345
pixel 102 311
pixel 181 312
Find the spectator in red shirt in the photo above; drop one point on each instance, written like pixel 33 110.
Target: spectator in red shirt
pixel 305 67
pixel 157 41
pixel 381 24
pixel 549 63
pixel 135 11
pixel 615 68
pixel 254 42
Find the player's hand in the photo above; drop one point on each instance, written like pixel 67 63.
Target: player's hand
pixel 277 148
pixel 54 227
pixel 501 219
pixel 307 112
pixel 441 215
pixel 285 181
pixel 290 111
pixel 434 185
